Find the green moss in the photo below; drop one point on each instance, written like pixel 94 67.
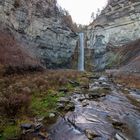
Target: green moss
pixel 114 60
pixel 42 106
pixel 70 87
pixel 10 131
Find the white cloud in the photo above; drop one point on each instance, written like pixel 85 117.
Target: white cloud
pixel 81 10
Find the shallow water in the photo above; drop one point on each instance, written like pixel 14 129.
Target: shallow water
pixel 98 116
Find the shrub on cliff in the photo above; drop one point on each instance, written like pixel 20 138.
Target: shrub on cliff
pixel 13 55
pixel 114 60
pixel 67 20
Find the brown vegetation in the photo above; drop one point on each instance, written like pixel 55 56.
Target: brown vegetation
pixel 128 79
pixel 24 97
pixel 12 104
pixel 129 71
pixel 67 20
pixel 130 51
pixel 16 90
pixel 129 56
pixel 17 3
pixel 13 56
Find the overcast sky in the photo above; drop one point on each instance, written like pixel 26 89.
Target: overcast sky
pixel 81 10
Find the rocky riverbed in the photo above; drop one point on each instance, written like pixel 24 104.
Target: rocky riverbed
pixel 104 111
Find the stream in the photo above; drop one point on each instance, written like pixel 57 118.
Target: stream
pixel 106 111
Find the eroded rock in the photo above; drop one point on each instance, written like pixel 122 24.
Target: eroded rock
pixel 91 134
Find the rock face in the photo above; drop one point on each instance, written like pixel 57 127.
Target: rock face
pixel 39 24
pixel 117 25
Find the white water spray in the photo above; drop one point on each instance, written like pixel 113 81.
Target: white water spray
pixel 81 52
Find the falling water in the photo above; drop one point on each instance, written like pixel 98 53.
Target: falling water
pixel 81 54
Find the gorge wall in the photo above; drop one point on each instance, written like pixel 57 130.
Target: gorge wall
pixel 118 24
pixel 41 26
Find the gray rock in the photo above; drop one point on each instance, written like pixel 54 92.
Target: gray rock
pixel 85 103
pixel 120 137
pixel 52 115
pixel 60 106
pixel 26 126
pixel 38 126
pixel 103 78
pixel 40 26
pixel 91 134
pixel 117 25
pixel 69 107
pixel 63 90
pixel 63 100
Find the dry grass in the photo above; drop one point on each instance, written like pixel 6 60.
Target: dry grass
pixel 128 79
pixel 127 53
pixel 32 95
pixel 37 84
pixel 130 51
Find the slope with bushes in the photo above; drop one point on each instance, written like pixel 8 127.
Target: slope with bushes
pixel 14 57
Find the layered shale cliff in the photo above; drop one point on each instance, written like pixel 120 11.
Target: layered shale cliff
pixel 117 25
pixel 42 28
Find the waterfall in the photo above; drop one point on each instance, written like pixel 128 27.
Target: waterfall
pixel 81 52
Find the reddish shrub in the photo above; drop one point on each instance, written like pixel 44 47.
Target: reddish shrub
pixel 13 104
pixel 14 57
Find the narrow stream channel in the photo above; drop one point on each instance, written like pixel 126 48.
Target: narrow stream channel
pixel 103 116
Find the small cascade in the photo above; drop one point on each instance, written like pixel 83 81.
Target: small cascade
pixel 81 52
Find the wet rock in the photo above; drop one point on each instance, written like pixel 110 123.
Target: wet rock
pixel 38 126
pixel 119 85
pixel 96 83
pixel 65 104
pixel 52 115
pixel 85 86
pixel 90 134
pixel 98 92
pixel 133 125
pixel 63 90
pixel 69 107
pixel 26 126
pixel 85 103
pixel 105 84
pixel 77 90
pixel 40 119
pixel 60 106
pixel 74 83
pixel 64 100
pixel 135 94
pixel 103 78
pixel 100 89
pixel 119 125
pixel 94 88
pixel 81 99
pixel 94 95
pixel 120 137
